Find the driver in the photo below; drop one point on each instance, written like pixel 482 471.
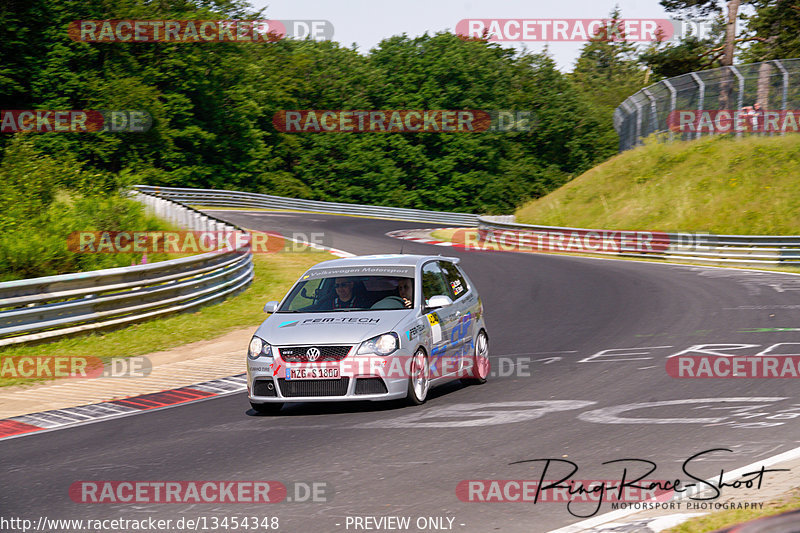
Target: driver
pixel 345 295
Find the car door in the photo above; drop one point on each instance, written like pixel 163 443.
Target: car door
pixel 443 359
pixel 462 329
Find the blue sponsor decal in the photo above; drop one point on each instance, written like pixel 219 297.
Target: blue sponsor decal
pixel 288 323
pixel 436 356
pixel 461 329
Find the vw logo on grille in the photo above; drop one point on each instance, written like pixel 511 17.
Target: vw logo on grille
pixel 312 354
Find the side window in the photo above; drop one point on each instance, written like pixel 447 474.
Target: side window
pixel 433 281
pixel 457 284
pixel 304 295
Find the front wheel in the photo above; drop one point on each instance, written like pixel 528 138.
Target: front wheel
pixel 271 408
pixel 420 378
pixel 479 369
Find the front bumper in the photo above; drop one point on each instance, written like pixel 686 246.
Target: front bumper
pixel 360 378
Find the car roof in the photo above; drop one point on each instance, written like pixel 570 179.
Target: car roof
pixel 382 260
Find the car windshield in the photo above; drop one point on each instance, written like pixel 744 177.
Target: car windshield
pixel 350 293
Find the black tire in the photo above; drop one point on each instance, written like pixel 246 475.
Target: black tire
pixel 270 408
pixel 479 366
pixel 419 384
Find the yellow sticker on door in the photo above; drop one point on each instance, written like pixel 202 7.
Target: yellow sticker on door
pixel 436 327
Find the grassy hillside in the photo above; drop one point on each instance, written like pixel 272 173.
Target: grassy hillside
pixel 720 185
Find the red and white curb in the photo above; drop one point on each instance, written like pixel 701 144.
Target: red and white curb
pixel 30 424
pixel 333 251
pixel 420 235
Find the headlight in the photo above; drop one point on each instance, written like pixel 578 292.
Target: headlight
pixel 258 348
pixel 381 345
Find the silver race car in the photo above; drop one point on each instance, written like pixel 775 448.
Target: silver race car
pixel 380 327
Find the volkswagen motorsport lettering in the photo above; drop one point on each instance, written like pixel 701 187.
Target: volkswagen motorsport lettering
pixel 401 271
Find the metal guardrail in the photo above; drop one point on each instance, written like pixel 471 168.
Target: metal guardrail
pixel 702 248
pixel 218 198
pixel 54 306
pixel 772 84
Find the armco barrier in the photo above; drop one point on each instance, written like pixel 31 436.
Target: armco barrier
pixel 682 247
pixel 216 198
pixel 54 306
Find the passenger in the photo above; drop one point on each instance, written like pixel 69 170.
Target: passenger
pixel 405 289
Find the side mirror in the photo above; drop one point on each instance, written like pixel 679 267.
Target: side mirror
pixel 270 307
pixel 440 300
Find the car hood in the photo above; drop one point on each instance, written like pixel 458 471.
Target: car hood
pixel 283 329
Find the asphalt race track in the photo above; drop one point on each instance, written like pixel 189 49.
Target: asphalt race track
pixel 588 338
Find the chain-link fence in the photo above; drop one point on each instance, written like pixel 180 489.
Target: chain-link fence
pixel 773 85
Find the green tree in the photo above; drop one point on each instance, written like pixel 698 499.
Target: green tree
pixel 605 74
pixel 774 30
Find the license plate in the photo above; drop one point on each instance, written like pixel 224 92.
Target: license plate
pixel 312 373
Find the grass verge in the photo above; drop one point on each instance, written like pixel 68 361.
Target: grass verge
pixel 720 184
pixel 274 276
pixel 722 519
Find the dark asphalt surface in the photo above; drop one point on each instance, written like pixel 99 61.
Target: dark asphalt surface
pixel 545 313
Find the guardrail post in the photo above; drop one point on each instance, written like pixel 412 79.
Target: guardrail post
pixel 785 91
pixel 701 97
pixel 740 104
pixel 653 111
pixel 638 121
pixel 673 95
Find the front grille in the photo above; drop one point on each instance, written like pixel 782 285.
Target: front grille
pixel 297 354
pixel 370 386
pixel 313 387
pixel 264 387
